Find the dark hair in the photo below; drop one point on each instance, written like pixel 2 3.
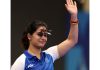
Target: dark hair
pixel 31 28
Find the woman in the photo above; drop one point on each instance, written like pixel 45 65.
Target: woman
pixel 35 38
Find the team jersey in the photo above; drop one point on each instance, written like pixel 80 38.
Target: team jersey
pixel 26 61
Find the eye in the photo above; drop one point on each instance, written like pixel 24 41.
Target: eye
pixel 45 34
pixel 40 34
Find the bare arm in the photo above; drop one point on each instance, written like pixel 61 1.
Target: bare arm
pixel 72 39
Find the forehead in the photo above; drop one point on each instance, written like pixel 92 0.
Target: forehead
pixel 41 29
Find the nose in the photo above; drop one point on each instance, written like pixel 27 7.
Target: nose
pixel 44 38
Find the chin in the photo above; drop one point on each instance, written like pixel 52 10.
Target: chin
pixel 42 46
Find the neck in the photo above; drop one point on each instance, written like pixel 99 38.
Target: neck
pixel 34 51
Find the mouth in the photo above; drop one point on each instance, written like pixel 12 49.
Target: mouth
pixel 43 42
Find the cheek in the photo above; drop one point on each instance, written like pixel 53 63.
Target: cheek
pixel 46 39
pixel 36 38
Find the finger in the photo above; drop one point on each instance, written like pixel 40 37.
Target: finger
pixel 68 2
pixel 66 5
pixel 75 3
pixel 71 2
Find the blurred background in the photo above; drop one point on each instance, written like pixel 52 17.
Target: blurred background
pixel 53 12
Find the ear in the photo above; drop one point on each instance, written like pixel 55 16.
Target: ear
pixel 29 36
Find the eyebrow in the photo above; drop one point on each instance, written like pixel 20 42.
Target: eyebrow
pixel 43 30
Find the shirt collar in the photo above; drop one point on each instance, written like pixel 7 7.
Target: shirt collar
pixel 28 55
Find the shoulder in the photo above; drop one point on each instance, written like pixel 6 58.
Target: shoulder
pixel 53 51
pixel 19 63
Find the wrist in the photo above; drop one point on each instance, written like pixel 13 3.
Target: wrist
pixel 74 20
pixel 74 17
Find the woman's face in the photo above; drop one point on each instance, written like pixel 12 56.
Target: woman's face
pixel 39 38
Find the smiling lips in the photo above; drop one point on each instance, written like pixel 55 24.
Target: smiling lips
pixel 43 42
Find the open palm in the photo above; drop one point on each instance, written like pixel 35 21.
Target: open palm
pixel 71 7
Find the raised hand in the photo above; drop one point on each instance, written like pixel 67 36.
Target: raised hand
pixel 71 7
